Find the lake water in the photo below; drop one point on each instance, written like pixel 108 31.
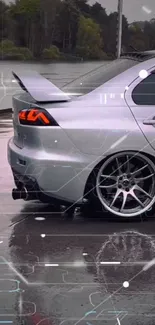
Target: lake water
pixel 59 73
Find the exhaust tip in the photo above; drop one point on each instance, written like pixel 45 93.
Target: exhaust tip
pixel 19 194
pixel 15 194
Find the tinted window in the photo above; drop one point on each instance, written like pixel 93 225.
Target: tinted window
pixel 144 92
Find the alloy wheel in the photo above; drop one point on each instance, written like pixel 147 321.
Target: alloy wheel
pixel 125 184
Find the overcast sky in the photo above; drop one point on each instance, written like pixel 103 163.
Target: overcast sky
pixel 132 9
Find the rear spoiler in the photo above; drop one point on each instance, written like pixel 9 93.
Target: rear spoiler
pixel 41 89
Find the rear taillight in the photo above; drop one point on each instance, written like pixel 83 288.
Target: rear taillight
pixel 35 116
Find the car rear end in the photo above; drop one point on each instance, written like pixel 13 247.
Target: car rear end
pixel 44 161
pixel 48 163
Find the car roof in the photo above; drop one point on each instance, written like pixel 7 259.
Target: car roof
pixel 125 78
pixel 118 85
pixel 130 64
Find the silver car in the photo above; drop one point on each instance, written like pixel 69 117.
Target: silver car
pixel 92 141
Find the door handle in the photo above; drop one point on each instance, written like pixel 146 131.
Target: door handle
pixel 149 122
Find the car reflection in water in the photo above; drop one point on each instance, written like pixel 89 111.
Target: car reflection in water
pixel 72 282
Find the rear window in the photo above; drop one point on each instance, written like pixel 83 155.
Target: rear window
pixel 144 92
pixel 95 78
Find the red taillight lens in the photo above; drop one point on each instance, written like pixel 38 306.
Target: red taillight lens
pixel 37 117
pixel 22 115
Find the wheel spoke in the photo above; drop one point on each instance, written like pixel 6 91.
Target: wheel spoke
pixel 118 167
pixel 139 170
pixel 136 198
pixel 144 178
pixel 138 188
pixel 118 192
pixel 108 186
pixel 109 176
pixel 125 195
pixel 127 164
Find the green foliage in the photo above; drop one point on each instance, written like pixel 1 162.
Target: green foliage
pixel 29 7
pixel 98 13
pixel 75 26
pixel 68 23
pixel 3 19
pixel 83 7
pixel 8 50
pixel 25 52
pixel 89 42
pixel 6 45
pixel 52 53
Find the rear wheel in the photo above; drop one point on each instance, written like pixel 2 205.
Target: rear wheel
pixel 125 184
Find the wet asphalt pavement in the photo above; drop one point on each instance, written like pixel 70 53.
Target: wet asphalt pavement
pixel 60 269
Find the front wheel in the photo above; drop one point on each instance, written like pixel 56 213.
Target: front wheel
pixel 125 184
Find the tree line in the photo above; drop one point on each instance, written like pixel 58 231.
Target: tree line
pixel 55 29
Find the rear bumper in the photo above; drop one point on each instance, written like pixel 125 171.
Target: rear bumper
pixel 34 191
pixel 55 176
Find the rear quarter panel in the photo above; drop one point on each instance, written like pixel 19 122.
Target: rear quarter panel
pixel 99 130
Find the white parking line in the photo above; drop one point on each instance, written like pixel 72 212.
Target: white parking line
pixel 5 121
pixel 110 263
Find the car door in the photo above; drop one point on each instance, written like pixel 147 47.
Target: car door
pixel 140 97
